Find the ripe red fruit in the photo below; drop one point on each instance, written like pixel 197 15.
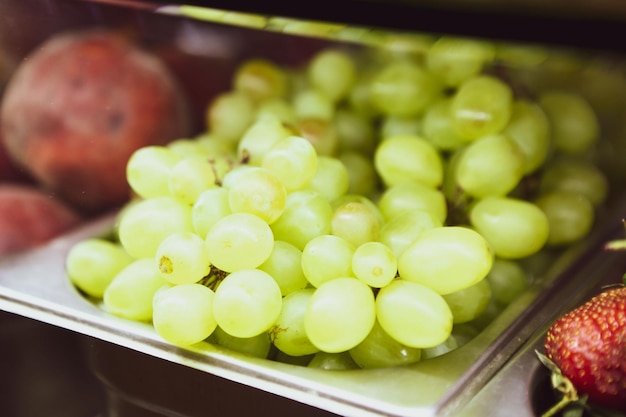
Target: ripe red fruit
pixel 80 105
pixel 588 345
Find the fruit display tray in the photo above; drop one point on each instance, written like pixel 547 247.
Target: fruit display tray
pixel 34 285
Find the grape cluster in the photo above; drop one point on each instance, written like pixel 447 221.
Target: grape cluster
pixel 355 213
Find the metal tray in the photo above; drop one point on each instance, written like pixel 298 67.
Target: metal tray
pixel 34 285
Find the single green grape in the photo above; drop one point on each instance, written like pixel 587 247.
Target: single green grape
pixel 403 89
pixel 247 303
pixel 340 314
pixel 333 73
pixel 413 314
pixel 130 293
pixel 469 303
pixel 183 314
pixel 288 333
pixel 514 228
pixel 481 106
pixel 327 257
pixel 257 191
pixel 355 222
pixel 182 258
pixel 92 264
pixel 260 79
pixel 285 265
pixel 293 160
pixel 148 170
pixel 307 215
pixel 379 350
pixel 408 158
pixel 189 177
pixel 570 216
pixel 239 241
pixel 490 166
pixel 136 229
pixel 375 264
pixel 446 259
pixel 409 196
pixel 399 232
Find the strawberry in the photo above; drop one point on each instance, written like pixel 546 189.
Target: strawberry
pixel 588 346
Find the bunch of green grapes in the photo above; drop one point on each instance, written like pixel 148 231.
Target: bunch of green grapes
pixel 356 213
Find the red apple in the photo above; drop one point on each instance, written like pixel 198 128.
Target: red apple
pixel 79 106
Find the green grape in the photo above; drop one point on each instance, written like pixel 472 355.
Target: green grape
pixel 321 133
pixel 326 258
pixel 92 264
pixel 190 177
pixel 260 80
pixel 211 205
pixel 332 72
pixel 403 89
pixel 374 264
pixel 399 232
pixel 188 148
pixel 379 350
pixel 284 265
pixel 313 104
pixel 239 241
pixel 307 214
pixel 401 126
pixel 362 176
pixel 441 349
pixel 354 222
pixel 288 333
pixel 340 314
pixel 507 280
pixel 247 303
pixel 183 314
pixel 214 147
pixel 148 170
pixel 276 108
pixel 358 198
pixel 573 122
pixel 529 128
pixel 576 176
pixel 408 158
pixel 182 258
pixel 293 161
pixel 130 293
pixel 413 314
pixel 355 131
pixel 514 228
pixel 481 107
pixel 258 346
pixel 257 191
pixel 138 232
pixel 490 166
pixel 446 259
pixel 570 216
pixel 438 128
pixel 328 361
pixel 260 137
pixel 455 60
pixel 229 115
pixel 469 303
pixel 409 196
pixel 331 180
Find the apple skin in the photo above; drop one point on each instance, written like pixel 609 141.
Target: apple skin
pixel 79 105
pixel 29 217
